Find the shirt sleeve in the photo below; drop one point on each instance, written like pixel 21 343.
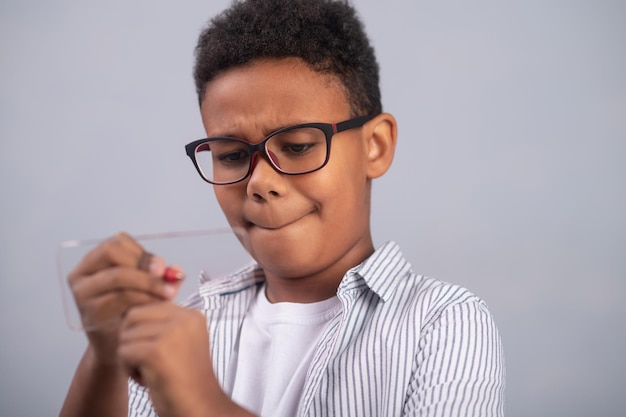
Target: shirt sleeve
pixel 459 367
pixel 139 403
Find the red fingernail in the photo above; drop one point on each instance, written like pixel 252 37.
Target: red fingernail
pixel 173 274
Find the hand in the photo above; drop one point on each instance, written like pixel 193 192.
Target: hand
pixel 107 283
pixel 165 347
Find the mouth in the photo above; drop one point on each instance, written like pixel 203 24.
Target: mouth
pixel 276 224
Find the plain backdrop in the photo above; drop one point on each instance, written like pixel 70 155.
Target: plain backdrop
pixel 508 179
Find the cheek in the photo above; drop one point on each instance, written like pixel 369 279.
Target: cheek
pixel 349 178
pixel 340 192
pixel 228 200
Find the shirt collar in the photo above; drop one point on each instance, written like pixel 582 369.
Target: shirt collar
pixel 381 272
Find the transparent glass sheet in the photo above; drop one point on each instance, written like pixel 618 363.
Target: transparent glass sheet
pixel 213 253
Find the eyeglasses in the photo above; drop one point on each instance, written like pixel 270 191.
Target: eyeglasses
pixel 292 150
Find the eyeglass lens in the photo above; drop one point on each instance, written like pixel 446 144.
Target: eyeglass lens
pixel 293 151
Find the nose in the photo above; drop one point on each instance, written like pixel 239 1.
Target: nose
pixel 271 156
pixel 265 182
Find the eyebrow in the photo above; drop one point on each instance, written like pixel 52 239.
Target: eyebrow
pixel 265 132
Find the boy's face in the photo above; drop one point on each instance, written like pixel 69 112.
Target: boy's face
pixel 304 228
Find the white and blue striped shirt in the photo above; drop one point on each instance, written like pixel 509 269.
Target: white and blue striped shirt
pixel 402 345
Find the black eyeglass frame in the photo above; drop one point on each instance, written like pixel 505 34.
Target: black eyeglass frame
pixel 329 129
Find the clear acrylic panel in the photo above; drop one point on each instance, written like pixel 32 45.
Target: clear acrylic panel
pixel 211 253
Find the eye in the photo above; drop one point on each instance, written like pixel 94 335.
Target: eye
pixel 232 157
pixel 228 152
pixel 297 148
pixel 299 142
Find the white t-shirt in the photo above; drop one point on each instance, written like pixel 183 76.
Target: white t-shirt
pixel 276 346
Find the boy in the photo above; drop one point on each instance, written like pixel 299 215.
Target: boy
pixel 323 324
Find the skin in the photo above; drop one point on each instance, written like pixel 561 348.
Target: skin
pixel 306 231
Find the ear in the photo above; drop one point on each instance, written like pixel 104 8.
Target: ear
pixel 381 144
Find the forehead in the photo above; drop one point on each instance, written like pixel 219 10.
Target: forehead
pixel 271 94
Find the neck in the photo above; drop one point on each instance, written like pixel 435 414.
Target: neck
pixel 317 286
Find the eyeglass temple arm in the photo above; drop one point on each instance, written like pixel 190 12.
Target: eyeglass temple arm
pixel 352 123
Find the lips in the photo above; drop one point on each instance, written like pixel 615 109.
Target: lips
pixel 275 222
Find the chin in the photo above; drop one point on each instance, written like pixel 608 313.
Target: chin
pixel 282 252
pixel 289 270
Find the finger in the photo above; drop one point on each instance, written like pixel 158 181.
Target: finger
pixel 110 308
pixel 159 312
pixel 140 333
pixel 132 357
pixel 144 261
pixel 119 279
pixel 148 334
pixel 148 331
pixel 120 249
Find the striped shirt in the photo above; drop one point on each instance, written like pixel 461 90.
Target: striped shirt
pixel 402 345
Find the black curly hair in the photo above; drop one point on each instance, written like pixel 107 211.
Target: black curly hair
pixel 326 34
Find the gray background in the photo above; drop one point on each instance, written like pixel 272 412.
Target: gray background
pixel 509 176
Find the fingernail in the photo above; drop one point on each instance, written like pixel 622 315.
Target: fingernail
pixel 157 266
pixel 170 290
pixel 173 274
